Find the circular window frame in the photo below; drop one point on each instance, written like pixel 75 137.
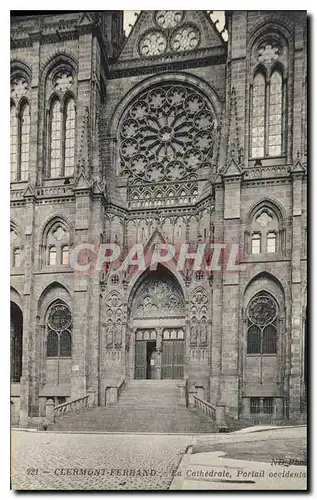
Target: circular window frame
pixel 177 30
pixel 145 34
pixel 155 15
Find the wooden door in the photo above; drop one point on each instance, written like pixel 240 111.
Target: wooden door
pixel 173 359
pixel 140 359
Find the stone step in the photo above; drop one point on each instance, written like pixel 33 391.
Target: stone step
pixel 116 419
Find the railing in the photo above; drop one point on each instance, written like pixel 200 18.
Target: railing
pixel 112 392
pixel 121 386
pixel 205 407
pixel 73 406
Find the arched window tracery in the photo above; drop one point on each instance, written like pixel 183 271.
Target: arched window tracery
pixel 20 123
pixel 56 244
pixel 269 64
pixel 262 325
pixel 61 86
pixel 59 328
pixel 266 234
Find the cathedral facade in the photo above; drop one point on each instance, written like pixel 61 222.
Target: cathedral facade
pixel 178 133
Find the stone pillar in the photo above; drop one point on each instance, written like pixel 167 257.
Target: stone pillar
pixel 49 410
pixel 30 355
pixel 186 345
pixel 92 398
pixel 220 414
pixel 95 298
pixel 132 353
pixel 216 327
pixel 81 311
pixel 159 347
pixel 297 173
pixel 230 293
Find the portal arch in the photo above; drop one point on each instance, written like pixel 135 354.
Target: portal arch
pixel 157 326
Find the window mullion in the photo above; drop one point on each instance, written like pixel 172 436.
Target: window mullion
pixel 267 118
pixel 62 140
pixel 19 119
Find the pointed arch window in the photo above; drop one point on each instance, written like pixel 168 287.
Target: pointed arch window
pixel 266 234
pixel 267 114
pixel 25 141
pixel 20 122
pixel 55 139
pixel 56 244
pixel 69 138
pixel 275 114
pixel 258 115
pixel 62 138
pixel 59 328
pixel 262 325
pixel 13 143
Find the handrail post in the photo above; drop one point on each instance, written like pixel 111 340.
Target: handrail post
pixel 49 410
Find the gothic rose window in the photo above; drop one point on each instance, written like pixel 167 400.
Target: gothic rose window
pixel 262 321
pixel 59 327
pixel 167 134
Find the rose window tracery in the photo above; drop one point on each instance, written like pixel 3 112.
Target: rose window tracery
pixel 262 310
pixel 168 18
pixel 186 38
pixel 268 53
pixel 167 134
pixel 153 43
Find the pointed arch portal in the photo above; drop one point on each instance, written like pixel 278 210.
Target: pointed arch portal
pixel 16 337
pixel 157 315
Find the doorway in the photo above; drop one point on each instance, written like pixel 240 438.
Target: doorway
pixel 150 359
pixel 145 359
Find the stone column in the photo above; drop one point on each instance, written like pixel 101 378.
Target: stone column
pixel 296 311
pixel 186 346
pixel 29 385
pixel 159 347
pixel 230 294
pixel 49 410
pixel 217 303
pixel 132 353
pixel 81 311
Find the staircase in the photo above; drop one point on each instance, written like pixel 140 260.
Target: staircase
pixel 150 394
pixel 144 406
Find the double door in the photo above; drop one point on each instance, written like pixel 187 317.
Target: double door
pixel 172 359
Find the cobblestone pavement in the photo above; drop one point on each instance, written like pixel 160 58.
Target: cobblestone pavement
pixel 46 461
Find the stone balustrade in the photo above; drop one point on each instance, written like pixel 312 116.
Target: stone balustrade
pixel 74 406
pixel 205 407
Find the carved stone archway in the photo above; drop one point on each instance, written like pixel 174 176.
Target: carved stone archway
pixel 157 327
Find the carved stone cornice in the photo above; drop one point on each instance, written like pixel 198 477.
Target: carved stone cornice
pixel 267 172
pixel 171 62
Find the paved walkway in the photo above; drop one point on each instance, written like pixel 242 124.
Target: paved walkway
pixel 246 461
pixel 240 460
pixel 45 460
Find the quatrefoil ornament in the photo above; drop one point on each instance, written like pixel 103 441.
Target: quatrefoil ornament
pixel 268 53
pixel 19 87
pixel 59 233
pixel 63 81
pixel 264 219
